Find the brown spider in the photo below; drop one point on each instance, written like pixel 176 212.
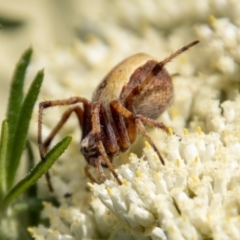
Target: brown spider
pixel 132 95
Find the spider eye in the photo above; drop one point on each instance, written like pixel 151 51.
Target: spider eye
pixel 84 150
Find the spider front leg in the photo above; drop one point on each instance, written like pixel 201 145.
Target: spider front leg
pixel 112 144
pixel 121 130
pixel 88 174
pixel 43 146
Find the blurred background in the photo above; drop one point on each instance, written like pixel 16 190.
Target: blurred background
pixel 78 41
pixel 46 25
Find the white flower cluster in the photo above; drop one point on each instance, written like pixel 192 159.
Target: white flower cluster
pixel 195 195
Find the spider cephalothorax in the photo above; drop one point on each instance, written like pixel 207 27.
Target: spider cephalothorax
pixel 131 96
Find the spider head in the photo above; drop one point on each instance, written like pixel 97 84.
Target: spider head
pixel 90 150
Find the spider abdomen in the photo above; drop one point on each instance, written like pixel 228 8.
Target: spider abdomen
pixel 156 95
pixel 129 74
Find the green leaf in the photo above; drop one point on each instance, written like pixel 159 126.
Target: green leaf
pixel 11 23
pixel 22 127
pixel 41 168
pixel 3 155
pixel 16 91
pixel 32 191
pixel 32 204
pixel 15 100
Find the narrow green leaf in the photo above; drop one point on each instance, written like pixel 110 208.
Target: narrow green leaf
pixel 16 91
pixel 15 100
pixel 9 23
pixel 32 191
pixel 3 152
pixel 29 204
pixel 32 204
pixel 22 127
pixel 41 168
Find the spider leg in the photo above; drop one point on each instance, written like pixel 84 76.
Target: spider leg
pixel 121 130
pixel 43 146
pixel 152 122
pixel 62 121
pixel 129 117
pixel 142 129
pixel 138 123
pixel 56 129
pixel 96 128
pixel 100 169
pixel 109 135
pixel 88 174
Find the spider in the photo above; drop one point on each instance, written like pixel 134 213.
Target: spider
pixel 133 94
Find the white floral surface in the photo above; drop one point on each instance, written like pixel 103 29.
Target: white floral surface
pixel 196 194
